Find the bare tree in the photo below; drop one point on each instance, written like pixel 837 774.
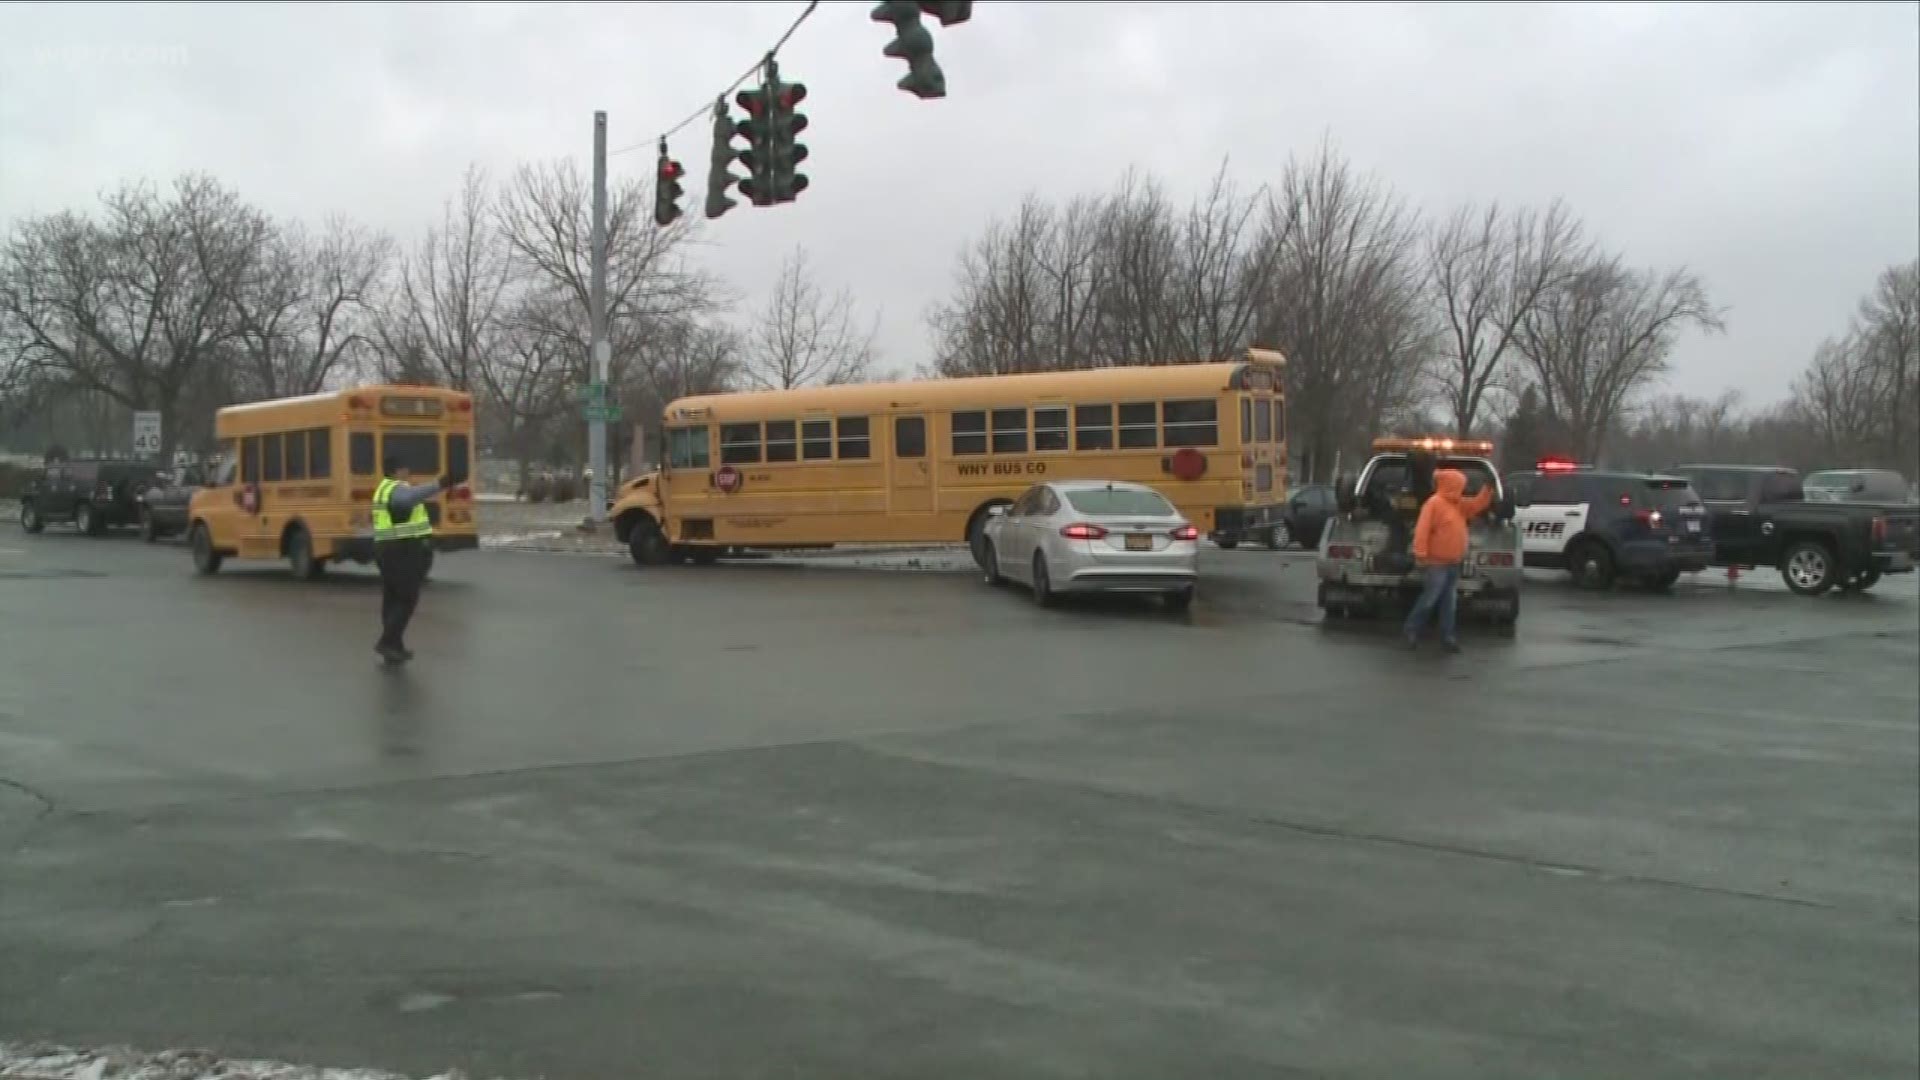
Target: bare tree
pixel 803 337
pixel 1343 301
pixel 443 320
pixel 305 309
pixel 1027 294
pixel 1601 336
pixel 134 306
pixel 1888 337
pixel 545 214
pixel 1489 268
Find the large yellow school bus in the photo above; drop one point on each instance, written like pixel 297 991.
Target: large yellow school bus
pixel 923 461
pixel 297 475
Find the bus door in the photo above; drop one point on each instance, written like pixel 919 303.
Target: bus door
pixel 911 480
pixel 255 509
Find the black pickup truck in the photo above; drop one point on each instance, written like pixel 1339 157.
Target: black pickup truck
pixel 1761 517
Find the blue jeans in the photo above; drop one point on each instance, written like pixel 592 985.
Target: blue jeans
pixel 1442 582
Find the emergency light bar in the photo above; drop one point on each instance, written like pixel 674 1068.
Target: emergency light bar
pixel 1556 464
pixel 1445 446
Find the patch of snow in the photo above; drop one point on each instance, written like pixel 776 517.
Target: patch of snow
pixel 503 539
pixel 45 1062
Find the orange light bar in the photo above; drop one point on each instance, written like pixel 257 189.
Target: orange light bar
pixel 1433 443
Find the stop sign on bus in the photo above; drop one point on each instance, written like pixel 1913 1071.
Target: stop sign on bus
pixel 727 479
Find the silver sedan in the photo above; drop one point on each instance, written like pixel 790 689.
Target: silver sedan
pixel 1093 536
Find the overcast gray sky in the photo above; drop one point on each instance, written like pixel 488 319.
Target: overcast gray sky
pixel 1775 148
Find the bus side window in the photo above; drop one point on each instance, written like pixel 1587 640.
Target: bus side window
pixel 1193 423
pixel 739 444
pixel 1009 431
pixel 854 444
pixel 1093 427
pixel 270 458
pixel 782 443
pixel 296 455
pixel 1050 429
pixel 909 437
pixel 816 440
pixel 319 453
pixel 970 432
pixel 1279 419
pixel 250 459
pixel 360 454
pixel 1140 425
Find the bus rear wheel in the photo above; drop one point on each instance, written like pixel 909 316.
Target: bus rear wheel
pixel 648 545
pixel 300 555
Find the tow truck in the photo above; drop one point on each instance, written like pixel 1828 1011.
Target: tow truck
pixel 1366 558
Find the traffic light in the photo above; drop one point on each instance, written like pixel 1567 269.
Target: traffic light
pixel 719 178
pixel 783 154
pixel 757 129
pixel 666 189
pixel 914 44
pixel 951 12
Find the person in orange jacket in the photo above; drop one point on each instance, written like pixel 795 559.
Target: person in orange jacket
pixel 1439 549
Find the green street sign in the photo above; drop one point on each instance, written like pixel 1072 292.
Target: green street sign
pixel 606 413
pixel 592 393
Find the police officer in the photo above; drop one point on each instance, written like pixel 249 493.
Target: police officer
pixel 402 543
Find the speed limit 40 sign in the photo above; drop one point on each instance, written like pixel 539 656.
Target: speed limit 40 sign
pixel 146 433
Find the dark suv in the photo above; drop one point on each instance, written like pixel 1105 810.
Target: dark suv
pixel 92 495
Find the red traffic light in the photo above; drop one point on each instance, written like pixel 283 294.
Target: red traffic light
pixel 753 101
pixel 671 169
pixel 792 94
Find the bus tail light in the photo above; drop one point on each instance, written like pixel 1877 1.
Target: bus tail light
pixel 462 405
pixel 1083 531
pixel 1185 532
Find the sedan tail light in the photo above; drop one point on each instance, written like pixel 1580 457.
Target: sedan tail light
pixel 1083 531
pixel 1880 530
pixel 1185 532
pixel 1496 558
pixel 1342 551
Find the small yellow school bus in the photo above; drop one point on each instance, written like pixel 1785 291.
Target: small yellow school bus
pixel 923 462
pixel 297 475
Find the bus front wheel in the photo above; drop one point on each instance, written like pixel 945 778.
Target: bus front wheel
pixel 647 544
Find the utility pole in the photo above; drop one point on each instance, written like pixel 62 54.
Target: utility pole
pixel 597 316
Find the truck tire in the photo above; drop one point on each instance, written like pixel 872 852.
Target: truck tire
pixel 1808 567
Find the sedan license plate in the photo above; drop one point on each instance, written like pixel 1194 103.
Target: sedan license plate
pixel 1139 542
pixel 1693 526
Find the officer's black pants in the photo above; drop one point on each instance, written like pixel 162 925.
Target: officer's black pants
pixel 403 569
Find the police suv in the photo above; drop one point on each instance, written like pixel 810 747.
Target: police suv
pixel 1600 526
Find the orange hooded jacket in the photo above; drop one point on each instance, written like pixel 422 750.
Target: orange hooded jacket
pixel 1440 536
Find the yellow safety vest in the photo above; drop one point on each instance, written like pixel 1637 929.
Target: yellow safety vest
pixel 417 525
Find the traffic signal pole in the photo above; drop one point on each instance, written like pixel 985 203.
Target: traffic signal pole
pixel 597 318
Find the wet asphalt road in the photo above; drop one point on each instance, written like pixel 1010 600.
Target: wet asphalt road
pixel 754 821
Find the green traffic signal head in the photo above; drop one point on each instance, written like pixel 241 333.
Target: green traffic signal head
pixel 912 43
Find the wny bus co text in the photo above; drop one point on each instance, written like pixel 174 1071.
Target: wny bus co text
pixel 1005 468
